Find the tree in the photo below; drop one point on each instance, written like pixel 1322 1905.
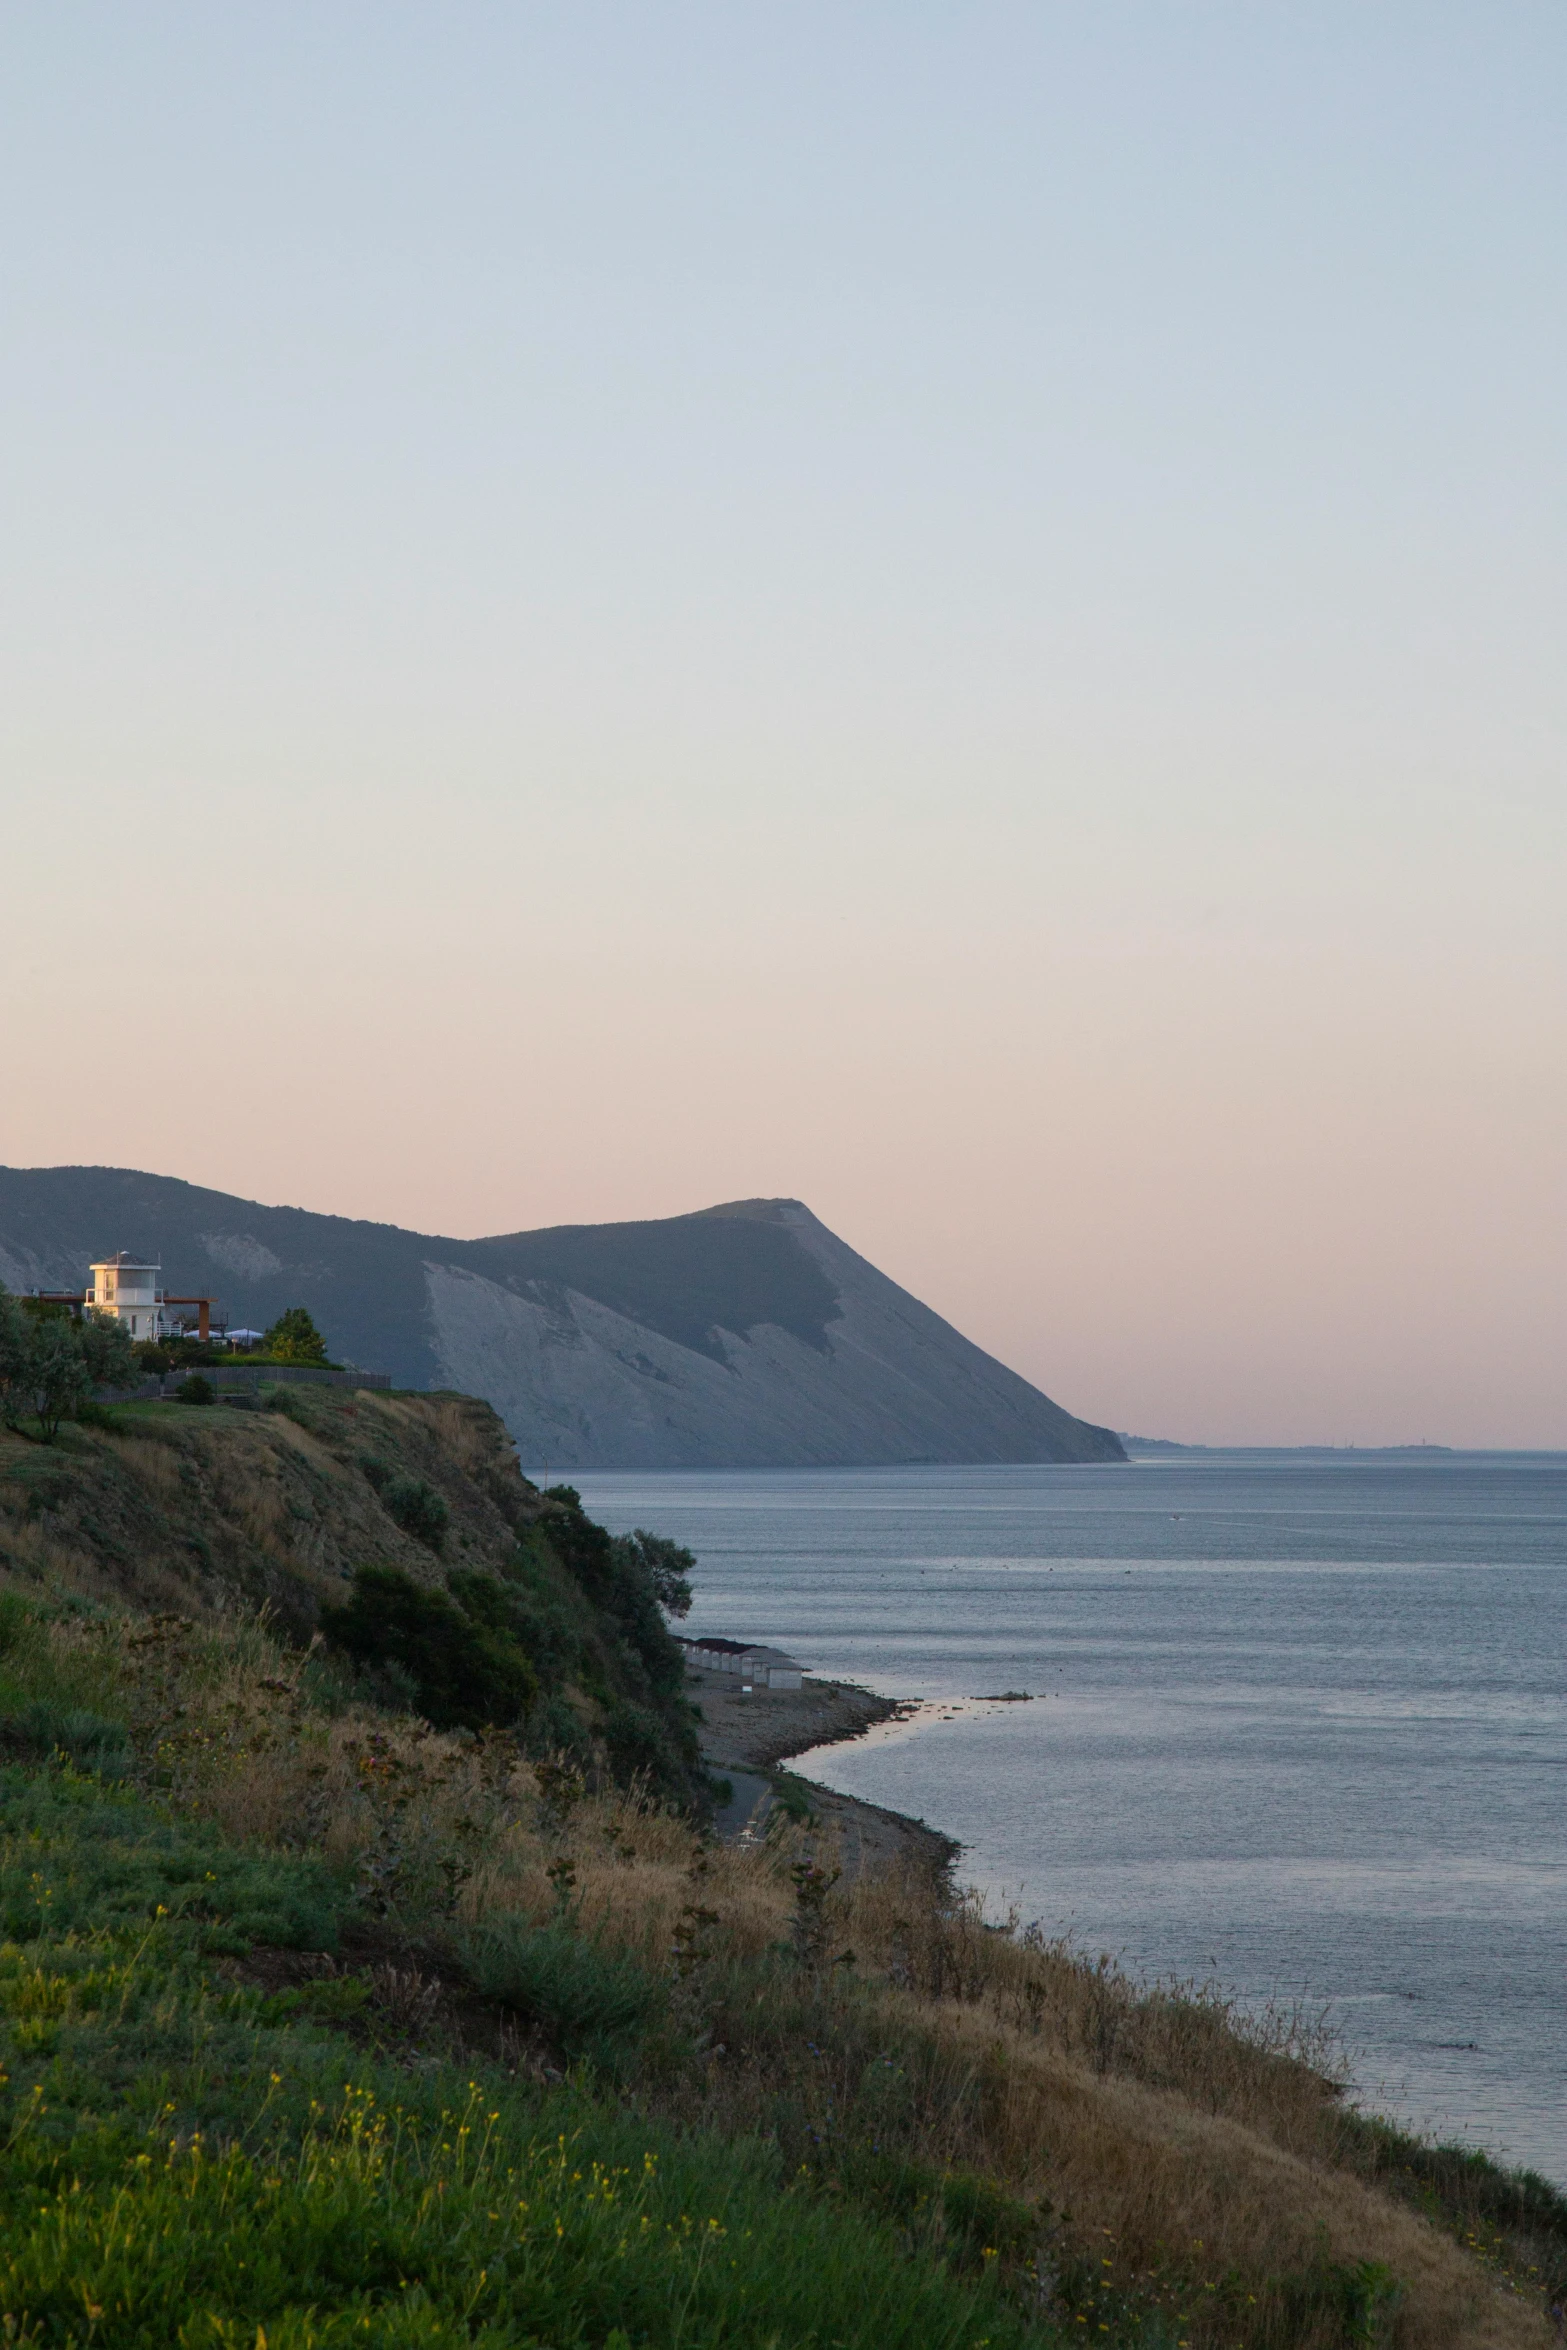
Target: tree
pixel 294 1338
pixel 107 1351
pixel 50 1363
pixel 57 1381
pixel 15 1350
pixel 666 1566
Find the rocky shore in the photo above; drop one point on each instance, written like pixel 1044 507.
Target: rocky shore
pixel 746 1737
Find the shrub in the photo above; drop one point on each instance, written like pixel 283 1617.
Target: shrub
pixel 467 1674
pixel 483 1597
pixel 194 1389
pixel 966 2216
pixel 585 1996
pixel 792 1800
pixel 99 1415
pixel 41 1730
pixel 554 1729
pixel 289 1403
pixel 641 1746
pixel 417 1508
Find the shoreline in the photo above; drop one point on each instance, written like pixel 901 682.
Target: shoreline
pixel 747 1738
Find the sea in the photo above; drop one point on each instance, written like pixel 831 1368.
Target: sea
pixel 1296 1723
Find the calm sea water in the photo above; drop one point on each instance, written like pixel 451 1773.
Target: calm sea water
pixel 1301 1722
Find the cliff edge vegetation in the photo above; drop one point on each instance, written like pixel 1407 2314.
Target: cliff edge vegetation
pixel 398 1530
pixel 324 2020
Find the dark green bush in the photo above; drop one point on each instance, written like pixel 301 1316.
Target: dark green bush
pixel 966 2217
pixel 289 1402
pixel 417 1508
pixel 107 1351
pixel 546 1611
pixel 194 1389
pixel 483 1597
pixel 99 1415
pixel 793 1799
pixel 644 1745
pixel 554 1728
pixel 41 1730
pixel 467 1674
pixel 1361 2297
pixel 586 1997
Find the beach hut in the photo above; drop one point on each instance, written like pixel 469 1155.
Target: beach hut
pixel 753 1664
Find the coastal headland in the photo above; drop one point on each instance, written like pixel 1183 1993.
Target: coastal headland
pixel 743 1335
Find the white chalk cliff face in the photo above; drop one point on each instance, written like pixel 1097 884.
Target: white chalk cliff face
pixel 580 1386
pixel 743 1335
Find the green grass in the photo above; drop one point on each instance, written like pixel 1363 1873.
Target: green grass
pixel 185 2160
pixel 589 1999
pixel 77 1857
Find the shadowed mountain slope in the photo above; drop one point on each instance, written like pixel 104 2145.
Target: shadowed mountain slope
pixel 743 1336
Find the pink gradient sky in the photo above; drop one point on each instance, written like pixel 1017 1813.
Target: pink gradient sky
pixel 611 609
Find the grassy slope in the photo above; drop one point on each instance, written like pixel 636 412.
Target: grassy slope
pixel 168 1507
pixel 953 2135
pixel 164 1505
pixel 188 2158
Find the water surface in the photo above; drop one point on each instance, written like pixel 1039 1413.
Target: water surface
pixel 1299 1722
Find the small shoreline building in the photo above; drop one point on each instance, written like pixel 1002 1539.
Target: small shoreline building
pixel 755 1667
pixel 130 1291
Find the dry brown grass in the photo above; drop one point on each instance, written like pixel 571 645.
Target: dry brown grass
pixel 213 1510
pixel 1189 2146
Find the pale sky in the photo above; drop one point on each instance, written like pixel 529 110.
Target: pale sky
pixel 956 613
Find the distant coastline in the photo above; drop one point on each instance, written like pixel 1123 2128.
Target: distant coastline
pixel 1166 1444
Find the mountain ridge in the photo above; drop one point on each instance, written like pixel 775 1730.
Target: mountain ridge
pixel 741 1335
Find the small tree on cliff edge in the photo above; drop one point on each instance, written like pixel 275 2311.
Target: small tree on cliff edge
pixel 667 1567
pixel 49 1363
pixel 294 1338
pixel 15 1348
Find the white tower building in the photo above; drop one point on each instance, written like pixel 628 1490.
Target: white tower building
pixel 131 1293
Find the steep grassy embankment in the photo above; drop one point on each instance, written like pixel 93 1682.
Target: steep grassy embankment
pixel 160 1502
pixel 323 1510
pixel 317 2020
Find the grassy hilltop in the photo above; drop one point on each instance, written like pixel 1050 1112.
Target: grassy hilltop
pixel 332 2012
